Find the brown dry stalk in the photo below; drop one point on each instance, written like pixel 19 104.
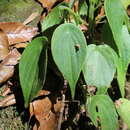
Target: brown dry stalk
pixel 61 112
pixel 31 18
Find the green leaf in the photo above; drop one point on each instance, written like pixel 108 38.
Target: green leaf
pixel 107 37
pixel 100 65
pixel 32 68
pixel 123 109
pixel 53 18
pixel 83 8
pixel 124 61
pixel 71 3
pixel 101 109
pixel 76 16
pixel 117 19
pixel 69 51
pixel 125 3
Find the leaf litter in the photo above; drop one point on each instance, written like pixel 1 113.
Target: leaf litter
pixel 8 64
pixel 46 110
pixel 18 32
pixel 4 45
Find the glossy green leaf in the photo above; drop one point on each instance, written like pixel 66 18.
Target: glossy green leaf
pixel 32 68
pixel 117 19
pixel 100 65
pixel 101 109
pixel 123 109
pixel 69 52
pixel 53 18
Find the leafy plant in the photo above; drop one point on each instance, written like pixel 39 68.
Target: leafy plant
pixel 98 109
pixel 85 43
pixel 80 56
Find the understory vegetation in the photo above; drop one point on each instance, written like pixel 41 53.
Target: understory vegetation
pixel 64 65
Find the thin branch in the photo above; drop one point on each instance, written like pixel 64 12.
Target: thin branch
pixel 61 112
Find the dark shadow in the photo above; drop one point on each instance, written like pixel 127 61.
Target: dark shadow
pixel 114 91
pixel 17 91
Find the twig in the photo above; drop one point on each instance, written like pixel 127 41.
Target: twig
pixel 30 18
pixel 61 112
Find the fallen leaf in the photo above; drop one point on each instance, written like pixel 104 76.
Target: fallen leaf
pixel 48 3
pixel 4 45
pixel 10 102
pixel 7 65
pixel 6 91
pixel 20 45
pixel 100 15
pixel 18 32
pixel 7 101
pixel 76 4
pixel 46 111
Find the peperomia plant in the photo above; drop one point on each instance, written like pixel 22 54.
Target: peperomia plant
pixel 78 54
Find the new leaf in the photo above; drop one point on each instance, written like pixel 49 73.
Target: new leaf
pixel 102 109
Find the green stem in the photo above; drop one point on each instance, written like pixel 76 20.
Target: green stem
pixel 71 4
pixel 91 22
pixel 77 18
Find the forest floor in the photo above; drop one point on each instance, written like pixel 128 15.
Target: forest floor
pixel 10 118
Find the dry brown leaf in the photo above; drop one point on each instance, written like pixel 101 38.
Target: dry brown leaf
pixel 20 45
pixel 48 3
pixel 10 102
pixel 46 112
pixel 4 45
pixel 7 65
pixel 18 32
pixel 7 101
pixel 101 14
pixel 6 91
pixel 76 4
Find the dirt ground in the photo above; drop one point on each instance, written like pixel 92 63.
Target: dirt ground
pixel 9 119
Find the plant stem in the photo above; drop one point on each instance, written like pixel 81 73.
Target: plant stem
pixel 91 22
pixel 91 19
